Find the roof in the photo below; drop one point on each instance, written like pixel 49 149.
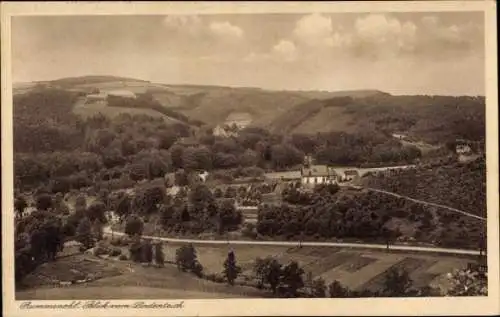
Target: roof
pixel 97 96
pixel 121 93
pixel 284 175
pixel 351 172
pixel 317 170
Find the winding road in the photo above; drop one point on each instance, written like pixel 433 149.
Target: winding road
pixel 107 231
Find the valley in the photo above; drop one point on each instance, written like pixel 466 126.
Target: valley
pixel 135 175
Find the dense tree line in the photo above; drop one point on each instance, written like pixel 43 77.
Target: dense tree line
pixel 40 235
pixel 462 186
pixel 369 216
pixel 200 212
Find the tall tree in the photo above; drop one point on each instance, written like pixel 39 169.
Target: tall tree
pixel 231 269
pixel 337 290
pixel 159 254
pixel 292 278
pixel 318 288
pixel 20 205
pixel 176 154
pixel 84 233
pixel 97 229
pixel 134 226
pixel 44 202
pixel 397 283
pixel 147 251
pixel 187 259
pixel 123 207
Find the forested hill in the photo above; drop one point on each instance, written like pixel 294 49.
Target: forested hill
pixel 434 119
pixel 84 80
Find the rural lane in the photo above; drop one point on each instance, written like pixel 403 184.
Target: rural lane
pixel 107 230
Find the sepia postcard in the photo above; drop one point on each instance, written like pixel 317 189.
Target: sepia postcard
pixel 249 158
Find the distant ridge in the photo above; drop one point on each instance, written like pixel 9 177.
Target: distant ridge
pixel 91 79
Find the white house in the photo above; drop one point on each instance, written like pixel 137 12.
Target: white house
pixel 318 174
pixel 203 176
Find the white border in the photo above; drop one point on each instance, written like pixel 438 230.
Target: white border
pixel 269 307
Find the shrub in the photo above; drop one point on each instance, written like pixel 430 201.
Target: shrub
pixel 115 252
pixel 123 257
pixel 100 251
pixel 217 278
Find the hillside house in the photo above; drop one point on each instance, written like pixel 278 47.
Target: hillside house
pixel 239 119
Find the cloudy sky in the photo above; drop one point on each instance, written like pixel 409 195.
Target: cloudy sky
pixel 401 53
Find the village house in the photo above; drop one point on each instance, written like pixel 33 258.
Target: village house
pixel 99 98
pixel 203 176
pixel 223 131
pixel 122 94
pixel 239 119
pixel 317 174
pixel 463 149
pixel 350 175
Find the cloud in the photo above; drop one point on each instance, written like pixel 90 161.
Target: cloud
pixel 429 21
pixel 190 24
pixel 226 29
pixel 256 57
pixel 385 33
pixel 314 30
pixel 286 50
pixel 434 36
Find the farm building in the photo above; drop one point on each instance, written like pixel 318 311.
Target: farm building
pixel 122 93
pixel 318 174
pixel 239 119
pixel 99 98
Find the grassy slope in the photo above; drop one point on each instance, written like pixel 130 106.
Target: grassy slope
pixel 131 281
pixel 215 106
pixel 111 112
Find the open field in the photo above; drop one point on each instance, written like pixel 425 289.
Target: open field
pixel 133 281
pixel 356 269
pixel 88 110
